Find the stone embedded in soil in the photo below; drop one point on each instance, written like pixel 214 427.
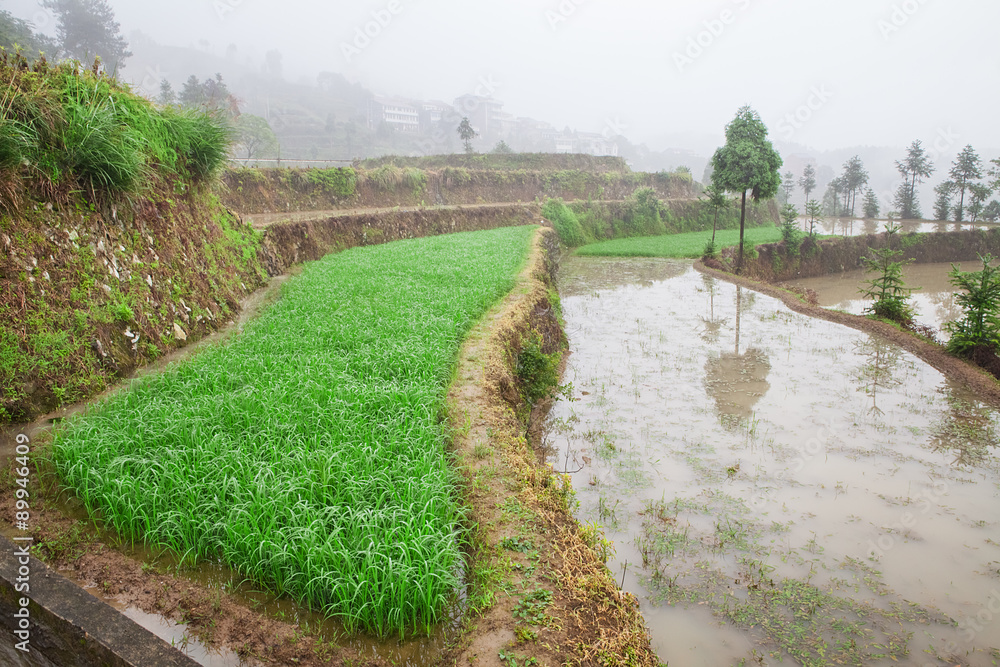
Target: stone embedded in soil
pixel 179 333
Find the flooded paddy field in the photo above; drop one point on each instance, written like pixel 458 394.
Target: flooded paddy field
pixel 933 298
pixel 776 489
pixel 858 227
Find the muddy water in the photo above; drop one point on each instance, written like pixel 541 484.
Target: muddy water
pixel 776 487
pixel 855 227
pixel 933 301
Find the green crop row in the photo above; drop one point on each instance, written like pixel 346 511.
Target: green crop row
pixel 690 245
pixel 309 452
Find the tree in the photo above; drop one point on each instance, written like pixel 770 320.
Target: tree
pixel 790 233
pixel 834 190
pixel 788 185
pixel 966 168
pixel 192 94
pixel 992 211
pixel 87 29
pixel 980 326
pixel 808 180
pixel 717 201
pixel 916 167
pixel 854 178
pixel 871 205
pixel 18 34
pixel 167 95
pixel 814 210
pixel 502 148
pixel 747 163
pixel 467 133
pixel 255 138
pixel 942 205
pixel 979 193
pixel 994 175
pixel 889 291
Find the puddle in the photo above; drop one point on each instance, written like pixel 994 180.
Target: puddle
pixel 776 487
pixel 855 227
pixel 934 302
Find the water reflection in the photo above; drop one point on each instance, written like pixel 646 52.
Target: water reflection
pixel 737 381
pixel 880 370
pixel 843 442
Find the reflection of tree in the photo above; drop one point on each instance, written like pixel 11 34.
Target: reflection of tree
pixel 713 325
pixel 966 429
pixel 871 227
pixel 880 368
pixel 737 381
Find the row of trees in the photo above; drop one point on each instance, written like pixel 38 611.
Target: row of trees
pixel 966 194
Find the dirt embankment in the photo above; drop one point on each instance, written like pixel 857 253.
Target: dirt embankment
pixel 539 589
pixel 252 191
pixel 87 297
pixel 774 264
pixel 289 243
pixel 506 161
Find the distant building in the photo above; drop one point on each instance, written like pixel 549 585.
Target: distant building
pixel 432 113
pixel 586 143
pixel 399 114
pixel 485 113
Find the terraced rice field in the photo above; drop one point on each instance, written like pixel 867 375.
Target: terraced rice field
pixel 678 246
pixel 309 452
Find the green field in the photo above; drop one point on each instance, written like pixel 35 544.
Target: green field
pixel 309 452
pixel 680 246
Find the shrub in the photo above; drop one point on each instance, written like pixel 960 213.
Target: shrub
pixel 339 182
pixel 980 325
pixel 565 222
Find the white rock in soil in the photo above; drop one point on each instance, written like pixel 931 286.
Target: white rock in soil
pixel 149 281
pixel 179 333
pixel 45 275
pixel 135 260
pixel 73 235
pixel 100 245
pixel 106 288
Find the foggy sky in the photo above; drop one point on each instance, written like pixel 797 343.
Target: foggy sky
pixel 856 72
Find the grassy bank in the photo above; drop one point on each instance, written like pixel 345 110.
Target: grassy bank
pixel 309 452
pixel 690 245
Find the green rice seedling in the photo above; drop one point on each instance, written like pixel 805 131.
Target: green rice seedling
pixel 680 246
pixel 309 451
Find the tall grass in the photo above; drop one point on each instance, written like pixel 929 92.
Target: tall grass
pixel 79 128
pixel 690 245
pixel 309 452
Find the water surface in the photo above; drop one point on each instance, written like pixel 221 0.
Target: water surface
pixel 776 487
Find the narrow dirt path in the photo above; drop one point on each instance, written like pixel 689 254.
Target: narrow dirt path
pixel 539 591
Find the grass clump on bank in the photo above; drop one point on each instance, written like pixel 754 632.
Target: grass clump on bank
pixel 309 451
pixel 67 127
pixel 679 246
